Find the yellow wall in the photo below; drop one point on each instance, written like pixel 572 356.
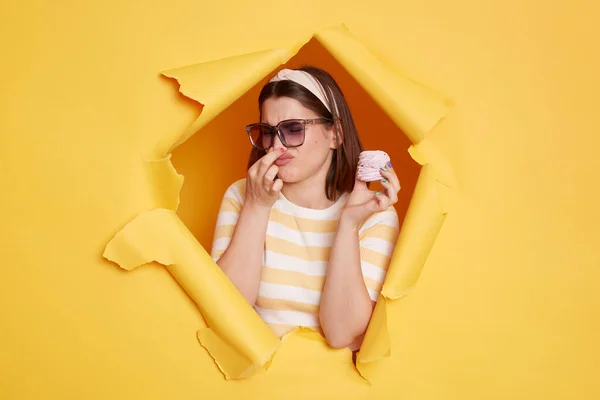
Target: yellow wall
pixel 507 305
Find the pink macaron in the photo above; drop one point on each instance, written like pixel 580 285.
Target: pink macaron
pixel 370 164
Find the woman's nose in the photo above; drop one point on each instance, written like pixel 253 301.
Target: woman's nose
pixel 277 143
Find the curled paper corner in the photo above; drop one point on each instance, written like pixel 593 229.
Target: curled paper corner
pixel 413 107
pixel 159 235
pixel 423 222
pixel 376 344
pixel 426 152
pixel 217 84
pixel 232 363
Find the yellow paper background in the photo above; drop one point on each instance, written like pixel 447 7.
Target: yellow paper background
pixel 384 101
pixel 507 305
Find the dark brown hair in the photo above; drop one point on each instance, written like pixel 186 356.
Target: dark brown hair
pixel 340 177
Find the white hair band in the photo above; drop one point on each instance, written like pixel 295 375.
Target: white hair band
pixel 306 80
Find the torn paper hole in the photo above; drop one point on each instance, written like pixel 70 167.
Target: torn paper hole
pixel 178 239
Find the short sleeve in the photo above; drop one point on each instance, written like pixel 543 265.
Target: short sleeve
pixel 377 237
pixel 229 212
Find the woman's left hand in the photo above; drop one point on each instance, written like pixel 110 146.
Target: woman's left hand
pixel 363 202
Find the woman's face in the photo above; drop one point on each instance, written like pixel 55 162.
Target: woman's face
pixel 312 158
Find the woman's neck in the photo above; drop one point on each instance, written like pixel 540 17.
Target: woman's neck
pixel 307 195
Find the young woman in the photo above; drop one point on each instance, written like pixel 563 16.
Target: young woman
pixel 305 241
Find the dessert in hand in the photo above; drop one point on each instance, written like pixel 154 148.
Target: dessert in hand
pixel 370 164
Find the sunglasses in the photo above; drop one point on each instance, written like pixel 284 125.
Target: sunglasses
pixel 291 132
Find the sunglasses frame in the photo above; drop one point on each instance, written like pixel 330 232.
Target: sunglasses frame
pixel 277 130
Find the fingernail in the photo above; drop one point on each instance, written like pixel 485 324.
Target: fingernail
pixel 281 149
pixel 384 169
pixel 384 180
pixel 377 194
pixel 389 164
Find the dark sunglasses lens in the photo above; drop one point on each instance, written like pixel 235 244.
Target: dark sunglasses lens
pixel 262 136
pixel 293 132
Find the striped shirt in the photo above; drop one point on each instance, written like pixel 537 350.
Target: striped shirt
pixel 297 246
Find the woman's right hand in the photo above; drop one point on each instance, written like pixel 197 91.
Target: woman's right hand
pixel 262 189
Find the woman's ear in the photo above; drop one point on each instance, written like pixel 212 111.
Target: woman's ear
pixel 338 135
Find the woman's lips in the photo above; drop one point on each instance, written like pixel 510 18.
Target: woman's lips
pixel 283 160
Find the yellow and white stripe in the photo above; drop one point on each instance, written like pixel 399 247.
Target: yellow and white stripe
pixel 297 247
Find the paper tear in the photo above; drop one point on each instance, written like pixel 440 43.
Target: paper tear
pixel 159 235
pixel 376 344
pixel 305 332
pixel 218 84
pixel 421 226
pixel 426 152
pixel 413 107
pixel 165 183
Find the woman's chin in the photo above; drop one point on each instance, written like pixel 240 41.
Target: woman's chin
pixel 287 175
